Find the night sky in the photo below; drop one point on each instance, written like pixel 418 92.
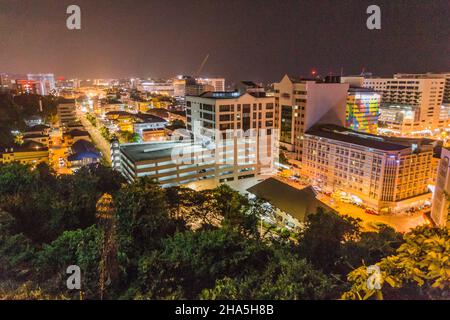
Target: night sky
pixel 247 39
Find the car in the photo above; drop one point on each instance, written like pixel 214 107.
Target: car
pixel 372 212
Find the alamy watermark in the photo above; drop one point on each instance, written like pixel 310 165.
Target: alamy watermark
pixel 375 278
pixel 374 20
pixel 73 21
pixel 74 280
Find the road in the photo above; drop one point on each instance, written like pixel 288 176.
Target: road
pixel 99 141
pixel 401 223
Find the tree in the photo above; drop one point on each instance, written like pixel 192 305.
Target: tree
pixel 286 277
pixel 321 242
pixel 192 261
pixel 143 222
pixel 420 269
pixel 79 247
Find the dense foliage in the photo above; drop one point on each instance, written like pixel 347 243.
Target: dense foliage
pixel 152 243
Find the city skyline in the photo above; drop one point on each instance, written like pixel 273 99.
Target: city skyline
pixel 256 40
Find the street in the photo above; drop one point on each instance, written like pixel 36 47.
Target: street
pixel 401 223
pixel 99 141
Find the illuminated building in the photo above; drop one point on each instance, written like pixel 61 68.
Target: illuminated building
pixel 229 111
pixel 30 153
pixel 301 103
pixel 217 84
pixel 164 87
pixel 39 138
pixel 441 199
pixel 66 111
pixel 153 135
pixel 174 163
pixel 387 174
pixel 27 86
pixel 82 153
pixel 362 110
pixel 45 82
pixel 424 95
pixel 431 75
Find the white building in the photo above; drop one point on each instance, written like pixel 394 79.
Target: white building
pixel 46 82
pixel 301 103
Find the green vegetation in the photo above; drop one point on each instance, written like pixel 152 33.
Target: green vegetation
pixel 144 242
pixel 14 110
pixel 104 131
pixel 91 118
pixel 128 137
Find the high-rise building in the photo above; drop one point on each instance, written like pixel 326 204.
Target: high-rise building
pixel 229 111
pixel 301 103
pixel 422 95
pixel 217 83
pixel 6 83
pixel 362 110
pixel 431 75
pixel 388 174
pixel 441 199
pixel 46 82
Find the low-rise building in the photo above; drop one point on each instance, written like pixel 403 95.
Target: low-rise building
pixel 83 153
pixel 174 163
pixel 291 205
pixel 30 152
pixel 44 139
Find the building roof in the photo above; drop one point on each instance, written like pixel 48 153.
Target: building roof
pixel 38 127
pixel 27 146
pixel 138 152
pixel 149 118
pixel 119 113
pixel 35 135
pixel 299 203
pixel 83 149
pixel 334 132
pixel 77 133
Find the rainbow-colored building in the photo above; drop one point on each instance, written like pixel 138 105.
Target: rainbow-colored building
pixel 362 111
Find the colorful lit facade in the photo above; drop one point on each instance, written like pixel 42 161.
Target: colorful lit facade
pixel 362 111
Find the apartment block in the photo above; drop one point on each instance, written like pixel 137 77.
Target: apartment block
pixel 420 97
pixel 388 174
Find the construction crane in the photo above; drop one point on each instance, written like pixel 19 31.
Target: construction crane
pixel 197 73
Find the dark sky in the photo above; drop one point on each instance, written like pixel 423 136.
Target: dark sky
pixel 247 39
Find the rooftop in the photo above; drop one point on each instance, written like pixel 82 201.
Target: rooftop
pixel 384 143
pixel 299 203
pixel 156 150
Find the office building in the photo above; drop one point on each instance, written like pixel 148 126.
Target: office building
pixel 362 110
pixel 423 96
pixel 229 111
pixel 441 198
pixel 190 163
pixel 388 174
pixel 301 103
